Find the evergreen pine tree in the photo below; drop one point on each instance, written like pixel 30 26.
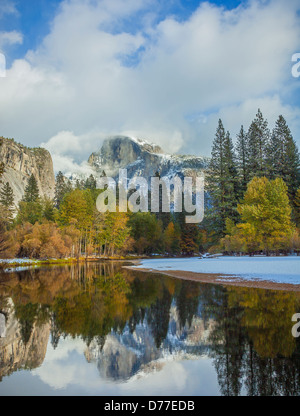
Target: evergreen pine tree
pixel 258 139
pixel 30 207
pixel 7 202
pixel 7 196
pixel 48 209
pixel 222 181
pixel 214 181
pixel 296 204
pixel 242 154
pixel 62 187
pixel 31 190
pixel 80 184
pixel 90 183
pixel 283 157
pixel 231 178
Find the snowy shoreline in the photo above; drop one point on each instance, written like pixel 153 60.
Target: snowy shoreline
pixel 19 261
pixel 285 270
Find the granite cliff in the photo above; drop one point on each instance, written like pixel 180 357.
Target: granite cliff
pixel 142 158
pixel 20 162
pixel 15 353
pixel 139 157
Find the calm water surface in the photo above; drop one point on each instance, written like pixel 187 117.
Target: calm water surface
pixel 99 329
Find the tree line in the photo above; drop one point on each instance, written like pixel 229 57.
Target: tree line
pixel 254 190
pixel 252 205
pixel 71 226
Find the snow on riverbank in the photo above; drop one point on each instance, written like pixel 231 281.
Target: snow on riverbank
pixel 274 269
pixel 16 261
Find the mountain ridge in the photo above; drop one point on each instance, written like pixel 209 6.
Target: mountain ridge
pixel 142 158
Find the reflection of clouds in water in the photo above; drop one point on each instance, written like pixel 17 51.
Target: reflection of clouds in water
pixel 192 377
pixel 65 365
pixel 66 368
pixel 170 379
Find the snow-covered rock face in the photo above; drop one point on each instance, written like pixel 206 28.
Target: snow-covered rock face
pixel 142 158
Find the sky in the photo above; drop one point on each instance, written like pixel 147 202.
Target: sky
pixel 78 71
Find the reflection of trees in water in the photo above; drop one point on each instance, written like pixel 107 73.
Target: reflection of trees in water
pixel 227 338
pixel 187 301
pixel 251 342
pixel 26 314
pixel 158 317
pixel 272 376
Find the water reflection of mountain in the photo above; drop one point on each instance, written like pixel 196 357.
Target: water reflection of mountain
pixel 124 355
pixel 132 323
pixel 16 350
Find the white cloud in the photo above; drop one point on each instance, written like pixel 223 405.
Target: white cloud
pixel 65 142
pixel 7 7
pixel 235 115
pixel 10 38
pixel 216 63
pixel 69 151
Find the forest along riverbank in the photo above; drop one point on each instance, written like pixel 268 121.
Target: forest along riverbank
pixel 282 273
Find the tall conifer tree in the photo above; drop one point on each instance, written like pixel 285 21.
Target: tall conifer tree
pixel 222 180
pixel 62 187
pixel 258 139
pixel 30 207
pixel 296 204
pixel 242 155
pixel 31 190
pixel 7 196
pixel 283 157
pixel 7 202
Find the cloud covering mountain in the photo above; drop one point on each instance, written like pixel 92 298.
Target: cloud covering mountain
pixel 131 67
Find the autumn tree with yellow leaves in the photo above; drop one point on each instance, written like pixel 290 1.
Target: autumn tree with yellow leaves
pixel 265 219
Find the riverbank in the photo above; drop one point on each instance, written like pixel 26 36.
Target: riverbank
pixel 258 272
pixel 14 264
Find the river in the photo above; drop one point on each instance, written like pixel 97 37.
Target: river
pixel 100 329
